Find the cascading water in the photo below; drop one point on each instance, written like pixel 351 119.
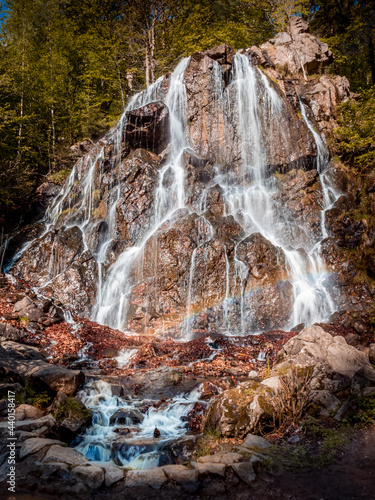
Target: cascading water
pixel 122 434
pixel 111 305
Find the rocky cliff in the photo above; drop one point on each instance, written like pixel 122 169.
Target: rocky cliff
pixel 211 205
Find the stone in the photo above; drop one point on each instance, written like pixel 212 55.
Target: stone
pixel 69 428
pixel 27 412
pixel 187 478
pixel 9 332
pixel 253 441
pixel 112 474
pixel 298 50
pixel 54 469
pixel 273 383
pixel 240 410
pixel 220 458
pixel 326 400
pixel 372 353
pixel 155 478
pixel 245 471
pixel 147 127
pixel 27 362
pixel 28 309
pixel 39 425
pixel 69 456
pixel 209 468
pixel 34 445
pixel 91 475
pixel 126 417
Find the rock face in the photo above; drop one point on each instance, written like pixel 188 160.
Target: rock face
pixel 202 210
pixel 298 50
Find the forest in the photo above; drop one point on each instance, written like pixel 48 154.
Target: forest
pixel 68 67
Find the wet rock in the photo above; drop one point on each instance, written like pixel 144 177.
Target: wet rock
pixel 300 197
pixel 266 287
pixel 127 417
pixel 67 456
pixel 155 478
pixel 222 53
pixel 148 127
pixel 33 445
pixel 90 475
pixel 27 412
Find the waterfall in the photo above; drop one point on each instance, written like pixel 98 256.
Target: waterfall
pixel 249 106
pixel 112 303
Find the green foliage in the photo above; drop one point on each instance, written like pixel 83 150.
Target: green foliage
pixel 72 408
pixel 365 412
pixel 35 398
pixel 354 139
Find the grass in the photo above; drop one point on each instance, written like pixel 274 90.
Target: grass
pixel 72 408
pixel 211 442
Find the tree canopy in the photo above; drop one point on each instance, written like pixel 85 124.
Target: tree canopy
pixel 68 67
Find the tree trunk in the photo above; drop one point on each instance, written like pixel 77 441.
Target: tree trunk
pixel 152 56
pixel 371 56
pixel 52 94
pixel 147 65
pixel 19 153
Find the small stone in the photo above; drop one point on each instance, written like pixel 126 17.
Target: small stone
pixel 155 478
pixel 156 432
pixel 245 471
pixel 24 412
pixel 253 441
pixel 294 439
pixel 187 478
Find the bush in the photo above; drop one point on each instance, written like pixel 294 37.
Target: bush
pixel 72 408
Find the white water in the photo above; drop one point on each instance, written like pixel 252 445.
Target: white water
pixel 112 304
pixel 137 449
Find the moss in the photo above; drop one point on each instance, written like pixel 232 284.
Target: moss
pixel 59 177
pixel 72 408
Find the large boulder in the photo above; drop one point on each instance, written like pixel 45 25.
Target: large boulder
pixel 298 50
pixel 241 410
pixel 26 362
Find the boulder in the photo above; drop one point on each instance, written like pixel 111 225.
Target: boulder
pixel 33 445
pixel 327 401
pixel 209 468
pixel 90 475
pixel 228 458
pixel 127 417
pixel 155 478
pixel 298 50
pixel 70 428
pixel 28 412
pixel 315 347
pixel 372 353
pixel 245 471
pixel 27 362
pixel 241 410
pixel 68 456
pixel 187 478
pixel 39 425
pixel 112 474
pixel 9 332
pixel 28 309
